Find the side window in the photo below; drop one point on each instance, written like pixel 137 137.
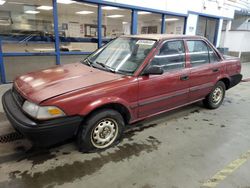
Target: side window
pixel 212 56
pixel 198 52
pixel 171 56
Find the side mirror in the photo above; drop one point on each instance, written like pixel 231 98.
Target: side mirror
pixel 153 70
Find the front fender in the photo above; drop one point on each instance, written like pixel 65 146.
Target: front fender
pixel 105 101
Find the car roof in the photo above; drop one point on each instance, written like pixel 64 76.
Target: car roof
pixel 163 36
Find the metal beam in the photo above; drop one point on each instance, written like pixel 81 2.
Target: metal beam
pixel 2 69
pixel 56 33
pixel 134 22
pixel 99 25
pixel 163 24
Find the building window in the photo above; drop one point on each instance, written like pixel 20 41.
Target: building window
pixel 77 24
pixel 16 65
pixel 206 27
pixel 27 26
pixel 116 22
pixel 148 23
pixel 174 25
pixel 241 21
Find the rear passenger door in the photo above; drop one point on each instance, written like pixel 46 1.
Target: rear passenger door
pixel 158 93
pixel 204 68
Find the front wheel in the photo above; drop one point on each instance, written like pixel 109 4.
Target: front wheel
pixel 101 130
pixel 215 98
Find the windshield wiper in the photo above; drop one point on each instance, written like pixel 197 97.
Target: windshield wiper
pixel 105 67
pixel 102 64
pixel 125 71
pixel 87 61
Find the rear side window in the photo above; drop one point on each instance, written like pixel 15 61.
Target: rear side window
pixel 171 56
pixel 198 52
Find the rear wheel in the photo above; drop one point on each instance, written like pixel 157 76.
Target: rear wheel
pixel 215 98
pixel 101 130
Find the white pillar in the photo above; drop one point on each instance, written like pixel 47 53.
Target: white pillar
pixel 191 24
pixel 219 32
pixel 228 28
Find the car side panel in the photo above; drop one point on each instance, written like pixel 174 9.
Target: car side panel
pixel 202 80
pixel 161 92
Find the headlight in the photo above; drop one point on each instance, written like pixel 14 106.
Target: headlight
pixel 42 112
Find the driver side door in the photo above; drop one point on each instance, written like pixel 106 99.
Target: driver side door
pixel 158 93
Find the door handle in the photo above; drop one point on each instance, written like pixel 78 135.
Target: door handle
pixel 184 77
pixel 215 70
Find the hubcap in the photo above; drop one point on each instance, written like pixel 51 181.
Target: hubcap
pixel 104 133
pixel 217 95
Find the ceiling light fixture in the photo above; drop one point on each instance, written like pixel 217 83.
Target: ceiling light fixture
pixel 109 8
pixel 43 7
pixel 115 16
pixel 32 12
pixel 66 2
pixel 124 23
pixel 89 5
pixel 4 22
pixel 143 12
pixel 2 2
pixel 84 12
pixel 15 3
pixel 171 19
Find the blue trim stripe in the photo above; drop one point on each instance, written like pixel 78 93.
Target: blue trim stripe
pixel 2 69
pixel 57 45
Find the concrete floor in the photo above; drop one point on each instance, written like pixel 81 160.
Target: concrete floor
pixel 184 148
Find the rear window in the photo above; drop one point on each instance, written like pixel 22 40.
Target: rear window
pixel 198 52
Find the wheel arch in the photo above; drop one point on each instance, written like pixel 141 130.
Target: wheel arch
pixel 115 105
pixel 226 81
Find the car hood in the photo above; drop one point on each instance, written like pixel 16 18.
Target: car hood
pixel 45 84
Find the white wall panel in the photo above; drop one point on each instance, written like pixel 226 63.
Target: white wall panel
pixel 191 24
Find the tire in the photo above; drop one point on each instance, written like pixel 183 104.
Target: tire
pixel 100 131
pixel 216 96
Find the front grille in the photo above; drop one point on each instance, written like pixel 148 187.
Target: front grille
pixel 18 98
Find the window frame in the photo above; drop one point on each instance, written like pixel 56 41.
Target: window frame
pixel 159 48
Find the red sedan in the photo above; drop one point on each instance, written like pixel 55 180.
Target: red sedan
pixel 129 79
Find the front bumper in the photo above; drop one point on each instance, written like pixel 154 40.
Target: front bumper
pixel 41 133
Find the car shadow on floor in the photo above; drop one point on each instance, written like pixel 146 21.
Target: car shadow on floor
pixel 39 155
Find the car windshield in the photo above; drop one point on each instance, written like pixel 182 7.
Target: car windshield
pixel 122 55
